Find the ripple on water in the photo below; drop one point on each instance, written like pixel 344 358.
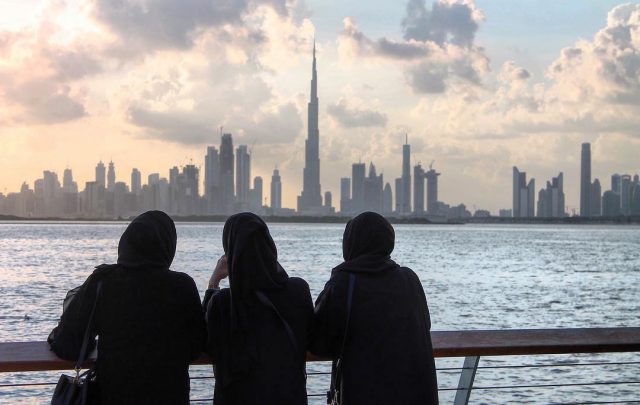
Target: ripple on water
pixel 475 277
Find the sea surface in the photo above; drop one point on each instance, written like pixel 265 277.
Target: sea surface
pixel 474 276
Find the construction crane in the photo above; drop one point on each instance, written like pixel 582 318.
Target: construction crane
pixel 431 164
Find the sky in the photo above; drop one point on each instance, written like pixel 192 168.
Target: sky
pixel 478 87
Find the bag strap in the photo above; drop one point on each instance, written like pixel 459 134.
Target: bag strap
pixel 87 333
pixel 262 297
pixel 336 369
pixel 352 281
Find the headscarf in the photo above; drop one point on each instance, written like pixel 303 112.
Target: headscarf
pixel 367 244
pixel 252 261
pixel 149 242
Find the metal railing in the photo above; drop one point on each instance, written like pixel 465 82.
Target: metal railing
pixel 471 345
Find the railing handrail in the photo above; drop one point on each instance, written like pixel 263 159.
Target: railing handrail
pixel 36 356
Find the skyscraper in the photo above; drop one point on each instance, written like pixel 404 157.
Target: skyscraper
pixel 154 178
pixel 310 200
pixel 174 174
pixel 616 182
pixel 227 196
pixel 432 190
pixel 93 201
pixel 136 181
pixel 387 200
pixel 406 177
pixel 100 176
pixel 610 204
pixel 625 194
pixel 68 184
pixel 212 180
pixel 256 195
pixel 523 195
pixel 373 190
pixel 596 198
pixel 585 180
pixel 111 177
pixel 328 201
pixel 276 191
pixel 51 191
pixel 418 189
pixel 398 202
pixel 357 187
pixel 635 196
pixel 345 195
pixel 243 177
pixel 551 198
pixel 69 194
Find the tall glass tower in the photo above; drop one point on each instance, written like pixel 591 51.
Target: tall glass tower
pixel 310 200
pixel 585 180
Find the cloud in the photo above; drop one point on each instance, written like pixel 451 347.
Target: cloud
pixel 163 24
pixel 438 48
pixel 44 102
pixel 355 116
pixel 70 65
pixel 446 22
pixel 607 68
pixel 173 126
pixel 150 62
pixel 428 78
pixel 281 125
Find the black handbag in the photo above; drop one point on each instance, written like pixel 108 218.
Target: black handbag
pixel 81 388
pixel 334 395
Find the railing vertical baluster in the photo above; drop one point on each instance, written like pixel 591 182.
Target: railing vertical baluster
pixel 465 384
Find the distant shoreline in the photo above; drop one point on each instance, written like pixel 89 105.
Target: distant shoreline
pixel 630 220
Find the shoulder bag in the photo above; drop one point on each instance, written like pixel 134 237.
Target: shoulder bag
pixel 334 395
pixel 81 388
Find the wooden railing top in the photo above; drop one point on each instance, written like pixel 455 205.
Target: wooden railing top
pixel 36 356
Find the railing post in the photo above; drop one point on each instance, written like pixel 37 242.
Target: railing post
pixel 465 384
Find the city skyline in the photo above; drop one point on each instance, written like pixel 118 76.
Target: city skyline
pixel 478 94
pixel 227 188
pixel 179 193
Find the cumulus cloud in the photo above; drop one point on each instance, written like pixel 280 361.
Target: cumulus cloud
pixel 446 22
pixel 173 126
pixel 437 50
pixel 172 70
pixel 354 116
pixel 607 68
pixel 160 24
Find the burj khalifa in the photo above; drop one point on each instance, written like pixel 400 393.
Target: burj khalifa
pixel 310 200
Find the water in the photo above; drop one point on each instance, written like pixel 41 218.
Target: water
pixel 475 277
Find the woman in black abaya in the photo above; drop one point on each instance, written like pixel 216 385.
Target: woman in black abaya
pixel 258 328
pixel 148 318
pixel 388 356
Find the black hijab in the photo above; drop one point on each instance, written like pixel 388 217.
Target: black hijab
pixel 149 242
pixel 253 265
pixel 367 244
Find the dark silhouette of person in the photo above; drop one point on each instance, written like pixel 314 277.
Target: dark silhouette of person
pixel 148 319
pixel 387 356
pixel 258 329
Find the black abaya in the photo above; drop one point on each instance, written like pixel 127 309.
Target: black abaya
pixel 388 355
pixel 148 319
pixel 257 361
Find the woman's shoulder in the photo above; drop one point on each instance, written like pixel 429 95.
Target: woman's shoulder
pixel 181 277
pixel 409 274
pixel 298 283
